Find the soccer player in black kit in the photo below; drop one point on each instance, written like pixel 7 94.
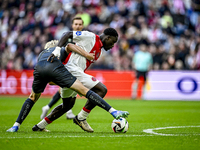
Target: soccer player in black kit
pixel 50 69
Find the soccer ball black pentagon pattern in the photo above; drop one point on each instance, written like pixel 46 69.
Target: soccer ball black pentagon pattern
pixel 120 125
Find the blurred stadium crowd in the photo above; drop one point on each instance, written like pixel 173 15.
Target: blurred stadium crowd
pixel 169 28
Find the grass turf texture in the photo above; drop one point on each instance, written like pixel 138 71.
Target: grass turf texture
pixel 143 115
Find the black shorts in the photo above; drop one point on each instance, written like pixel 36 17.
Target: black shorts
pixel 140 74
pixel 45 71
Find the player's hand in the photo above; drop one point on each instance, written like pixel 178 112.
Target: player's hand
pixel 52 56
pixel 90 56
pixel 55 53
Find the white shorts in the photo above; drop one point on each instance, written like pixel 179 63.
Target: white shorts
pixel 87 80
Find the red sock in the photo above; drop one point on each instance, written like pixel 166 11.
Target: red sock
pixel 47 120
pixel 86 110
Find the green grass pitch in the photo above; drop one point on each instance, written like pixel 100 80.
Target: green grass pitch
pixel 153 125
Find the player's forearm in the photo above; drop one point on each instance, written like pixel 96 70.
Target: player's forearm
pixel 64 39
pixel 62 43
pixel 74 48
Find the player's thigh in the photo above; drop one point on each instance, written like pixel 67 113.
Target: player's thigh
pixel 44 72
pixel 87 80
pixel 38 86
pixel 62 77
pixel 141 75
pixel 67 92
pixel 39 81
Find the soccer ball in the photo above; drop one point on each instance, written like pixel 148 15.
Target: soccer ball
pixel 120 125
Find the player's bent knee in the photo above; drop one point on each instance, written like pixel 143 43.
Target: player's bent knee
pixel 104 90
pixel 100 89
pixel 34 96
pixel 79 88
pixel 59 90
pixel 67 93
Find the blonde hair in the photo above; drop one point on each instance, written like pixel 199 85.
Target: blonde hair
pixel 52 43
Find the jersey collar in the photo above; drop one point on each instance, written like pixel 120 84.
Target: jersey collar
pixel 101 44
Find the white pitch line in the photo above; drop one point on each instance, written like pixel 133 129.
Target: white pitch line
pixel 150 131
pixel 71 136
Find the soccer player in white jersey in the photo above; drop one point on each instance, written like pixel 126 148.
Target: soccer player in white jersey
pixel 77 25
pixel 76 64
pixel 50 69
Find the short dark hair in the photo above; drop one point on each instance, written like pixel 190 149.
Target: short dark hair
pixel 111 32
pixel 77 18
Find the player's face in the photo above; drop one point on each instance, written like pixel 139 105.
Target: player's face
pixel 77 25
pixel 109 42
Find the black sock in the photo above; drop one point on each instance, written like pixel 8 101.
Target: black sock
pixel 55 98
pixel 96 99
pixel 28 104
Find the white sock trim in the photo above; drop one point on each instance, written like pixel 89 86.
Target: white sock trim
pixel 69 111
pixel 111 110
pixel 82 115
pixel 47 107
pixel 42 124
pixel 16 124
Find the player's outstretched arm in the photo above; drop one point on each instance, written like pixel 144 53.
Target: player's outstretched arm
pixel 71 47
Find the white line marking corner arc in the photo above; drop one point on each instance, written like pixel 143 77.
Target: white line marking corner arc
pixel 151 131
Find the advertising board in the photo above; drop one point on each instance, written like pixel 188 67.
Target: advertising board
pixel 173 85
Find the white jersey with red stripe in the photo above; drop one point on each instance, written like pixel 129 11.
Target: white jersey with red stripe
pixel 77 64
pixel 89 42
